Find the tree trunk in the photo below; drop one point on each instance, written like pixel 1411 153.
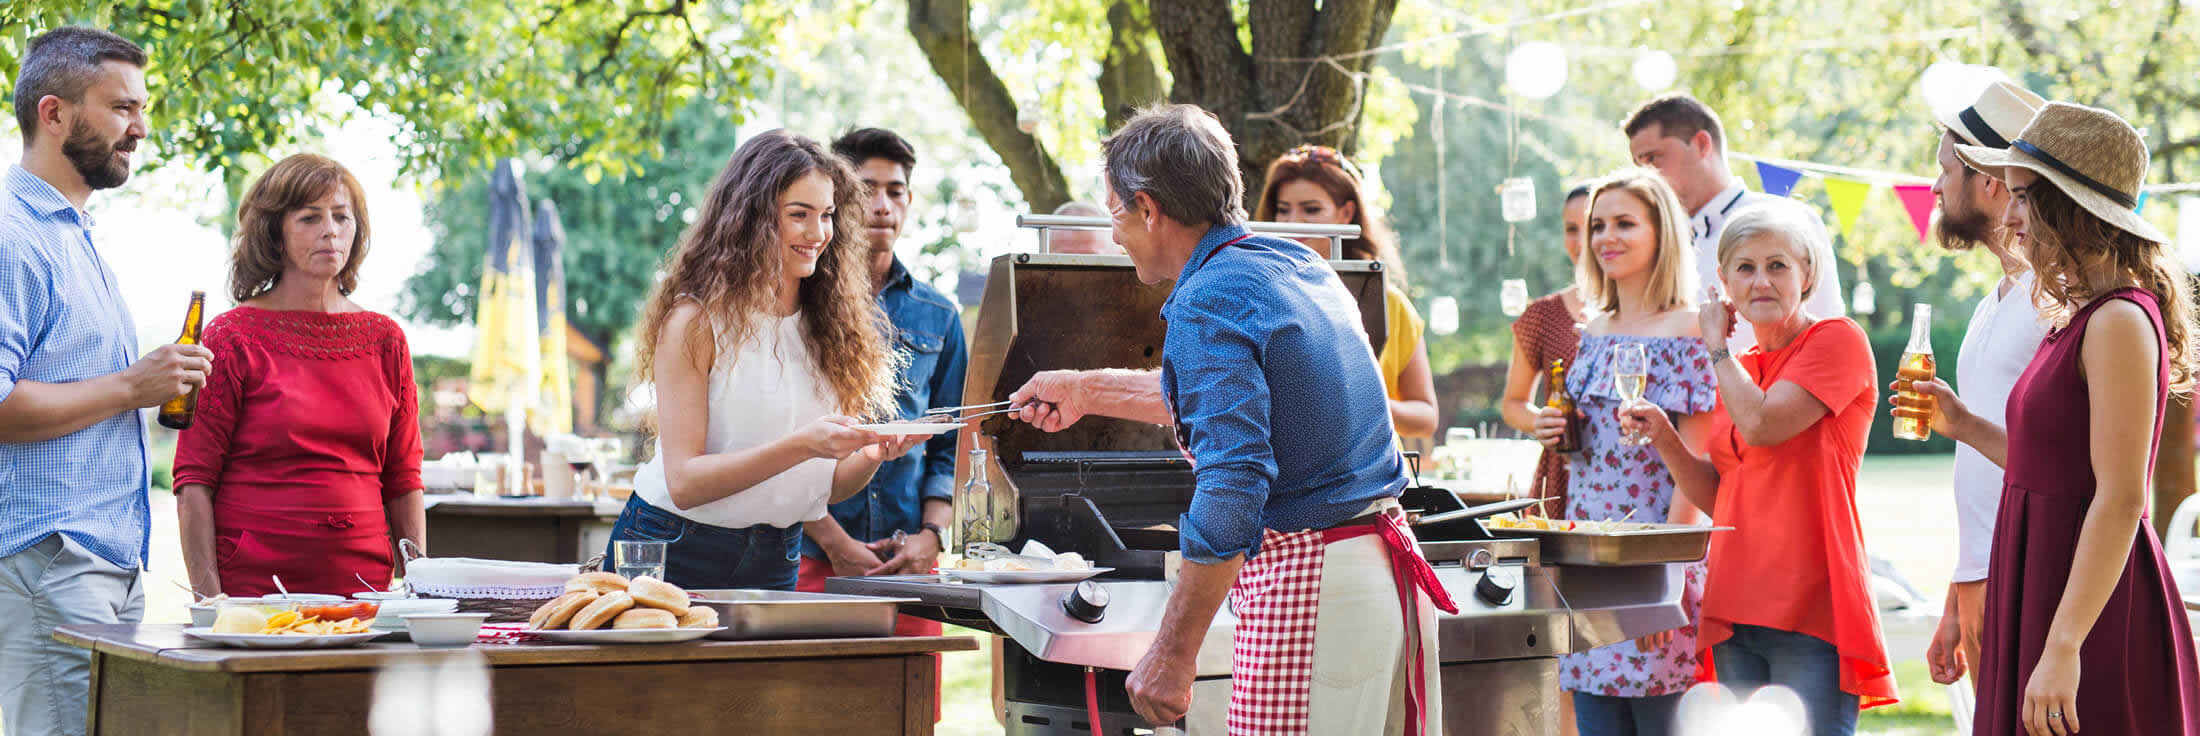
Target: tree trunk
pixel 942 29
pixel 1275 96
pixel 1130 78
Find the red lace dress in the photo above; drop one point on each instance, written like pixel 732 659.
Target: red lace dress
pixel 308 425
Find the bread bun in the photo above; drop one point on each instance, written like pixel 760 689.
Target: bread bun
pixel 600 582
pixel 645 618
pixel 559 610
pixel 654 593
pixel 602 611
pixel 699 617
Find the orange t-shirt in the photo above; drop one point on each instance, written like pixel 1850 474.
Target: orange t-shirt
pixel 1795 558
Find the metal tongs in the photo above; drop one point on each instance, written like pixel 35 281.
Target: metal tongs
pixel 955 413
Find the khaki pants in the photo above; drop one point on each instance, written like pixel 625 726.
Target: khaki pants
pixel 1362 653
pixel 44 683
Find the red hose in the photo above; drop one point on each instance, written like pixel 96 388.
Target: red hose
pixel 1092 699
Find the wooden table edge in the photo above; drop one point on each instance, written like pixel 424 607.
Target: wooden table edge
pixel 206 657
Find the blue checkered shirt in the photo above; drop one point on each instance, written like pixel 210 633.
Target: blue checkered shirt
pixel 62 320
pixel 1276 395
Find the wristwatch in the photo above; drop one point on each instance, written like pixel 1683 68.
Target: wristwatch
pixel 936 530
pixel 1720 355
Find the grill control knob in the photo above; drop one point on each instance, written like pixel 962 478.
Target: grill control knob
pixel 1088 602
pixel 1496 586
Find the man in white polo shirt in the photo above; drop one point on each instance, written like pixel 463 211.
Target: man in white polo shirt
pixel 2004 333
pixel 1682 139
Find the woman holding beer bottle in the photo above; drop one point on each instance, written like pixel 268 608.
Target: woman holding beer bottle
pixel 2085 626
pixel 1640 346
pixel 303 459
pixel 1787 601
pixel 1547 332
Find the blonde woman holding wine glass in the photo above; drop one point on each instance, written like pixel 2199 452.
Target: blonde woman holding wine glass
pixel 1642 345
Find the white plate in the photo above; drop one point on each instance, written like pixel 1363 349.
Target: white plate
pixel 910 428
pixel 623 636
pixel 281 641
pixel 1023 576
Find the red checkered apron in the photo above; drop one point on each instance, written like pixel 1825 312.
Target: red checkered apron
pixel 1276 599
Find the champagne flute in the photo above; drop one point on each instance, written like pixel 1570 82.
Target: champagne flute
pixel 1630 375
pixel 1513 297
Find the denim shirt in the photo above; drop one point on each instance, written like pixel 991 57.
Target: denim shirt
pixel 1276 395
pixel 63 320
pixel 928 329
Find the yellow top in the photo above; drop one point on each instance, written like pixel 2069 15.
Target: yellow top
pixel 1405 337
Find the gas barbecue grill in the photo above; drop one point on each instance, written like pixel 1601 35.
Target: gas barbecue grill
pixel 1112 491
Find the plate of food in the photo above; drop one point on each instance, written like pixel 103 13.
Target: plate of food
pixel 608 608
pixel 909 428
pixel 992 564
pixel 241 626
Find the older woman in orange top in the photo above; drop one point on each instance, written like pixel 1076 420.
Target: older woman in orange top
pixel 1787 600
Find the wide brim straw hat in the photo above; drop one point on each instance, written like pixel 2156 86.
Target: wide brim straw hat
pixel 1998 115
pixel 2090 154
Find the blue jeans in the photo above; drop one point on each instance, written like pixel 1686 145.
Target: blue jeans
pixel 1810 666
pixel 699 556
pixel 1605 715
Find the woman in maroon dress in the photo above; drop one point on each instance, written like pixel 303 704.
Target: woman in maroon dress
pixel 305 456
pixel 2085 629
pixel 1549 329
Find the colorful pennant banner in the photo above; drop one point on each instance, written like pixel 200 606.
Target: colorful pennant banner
pixel 1918 200
pixel 1848 200
pixel 1779 181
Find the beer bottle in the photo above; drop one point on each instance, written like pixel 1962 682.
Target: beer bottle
pixel 179 411
pixel 1561 399
pixel 1913 412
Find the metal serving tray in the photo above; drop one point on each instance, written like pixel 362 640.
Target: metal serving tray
pixel 775 614
pixel 1632 543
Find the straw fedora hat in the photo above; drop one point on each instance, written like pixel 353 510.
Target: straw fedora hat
pixel 1997 117
pixel 2088 153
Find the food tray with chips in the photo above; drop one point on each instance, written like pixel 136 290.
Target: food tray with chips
pixel 1612 544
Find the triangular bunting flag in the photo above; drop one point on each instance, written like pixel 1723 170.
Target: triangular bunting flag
pixel 1779 181
pixel 2142 206
pixel 1848 200
pixel 1918 199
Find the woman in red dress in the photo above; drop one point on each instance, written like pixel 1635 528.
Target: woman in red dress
pixel 304 460
pixel 2085 629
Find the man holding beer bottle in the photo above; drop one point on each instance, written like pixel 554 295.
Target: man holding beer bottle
pixel 2004 332
pixel 74 517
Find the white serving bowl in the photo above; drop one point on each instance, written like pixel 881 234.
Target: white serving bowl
pixel 444 629
pixel 380 596
pixel 391 616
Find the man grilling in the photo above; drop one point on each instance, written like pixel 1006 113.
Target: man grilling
pixel 1275 396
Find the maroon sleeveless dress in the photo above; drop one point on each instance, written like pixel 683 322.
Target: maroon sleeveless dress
pixel 2136 668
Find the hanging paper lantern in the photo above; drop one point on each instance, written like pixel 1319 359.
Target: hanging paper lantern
pixel 1517 199
pixel 966 214
pixel 1536 70
pixel 1865 300
pixel 1655 70
pixel 1443 315
pixel 1027 117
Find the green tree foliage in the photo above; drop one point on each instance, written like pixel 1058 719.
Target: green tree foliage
pixel 470 80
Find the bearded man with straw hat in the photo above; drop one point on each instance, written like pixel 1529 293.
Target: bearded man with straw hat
pixel 2004 332
pixel 2085 629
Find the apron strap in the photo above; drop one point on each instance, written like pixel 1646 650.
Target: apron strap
pixel 1411 572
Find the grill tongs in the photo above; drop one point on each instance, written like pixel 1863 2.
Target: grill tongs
pixel 955 413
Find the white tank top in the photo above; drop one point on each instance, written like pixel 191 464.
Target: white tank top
pixel 760 391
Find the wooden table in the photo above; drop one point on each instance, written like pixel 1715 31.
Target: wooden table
pixel 522 530
pixel 151 679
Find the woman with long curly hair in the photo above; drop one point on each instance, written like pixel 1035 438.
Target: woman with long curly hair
pixel 1316 184
pixel 765 348
pixel 2085 627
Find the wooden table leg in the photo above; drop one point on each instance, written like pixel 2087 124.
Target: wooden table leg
pixel 921 694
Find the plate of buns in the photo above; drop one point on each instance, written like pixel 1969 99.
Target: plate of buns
pixel 607 608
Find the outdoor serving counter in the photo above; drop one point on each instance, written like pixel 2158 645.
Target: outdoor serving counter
pixel 152 679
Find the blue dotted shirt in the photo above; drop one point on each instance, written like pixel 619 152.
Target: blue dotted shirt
pixel 1276 395
pixel 62 320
